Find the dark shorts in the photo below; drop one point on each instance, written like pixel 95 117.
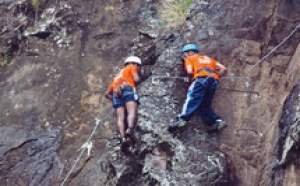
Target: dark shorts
pixel 129 94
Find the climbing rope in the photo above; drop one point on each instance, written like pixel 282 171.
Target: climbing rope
pixel 275 48
pixel 187 79
pixel 87 145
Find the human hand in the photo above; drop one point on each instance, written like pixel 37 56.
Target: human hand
pixel 108 94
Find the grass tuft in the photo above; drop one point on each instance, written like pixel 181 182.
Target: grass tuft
pixel 4 60
pixel 174 12
pixel 36 4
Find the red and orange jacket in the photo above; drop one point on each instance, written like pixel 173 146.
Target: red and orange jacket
pixel 202 66
pixel 125 75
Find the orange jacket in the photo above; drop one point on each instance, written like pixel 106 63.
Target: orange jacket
pixel 201 65
pixel 125 75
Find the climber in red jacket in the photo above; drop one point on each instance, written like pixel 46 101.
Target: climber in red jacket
pixel 122 91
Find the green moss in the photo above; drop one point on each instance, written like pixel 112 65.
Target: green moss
pixel 4 60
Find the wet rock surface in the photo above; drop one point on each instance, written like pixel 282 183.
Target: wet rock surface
pixel 63 57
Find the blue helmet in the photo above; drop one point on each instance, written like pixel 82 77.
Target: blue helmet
pixel 190 47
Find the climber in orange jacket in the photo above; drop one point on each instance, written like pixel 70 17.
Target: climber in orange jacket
pixel 205 73
pixel 122 91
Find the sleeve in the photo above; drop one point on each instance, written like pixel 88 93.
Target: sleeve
pixel 187 63
pixel 111 86
pixel 133 70
pixel 214 61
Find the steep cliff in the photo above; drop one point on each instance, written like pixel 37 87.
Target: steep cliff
pixel 58 59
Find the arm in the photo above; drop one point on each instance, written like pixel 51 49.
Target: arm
pixel 136 78
pixel 136 75
pixel 221 69
pixel 188 68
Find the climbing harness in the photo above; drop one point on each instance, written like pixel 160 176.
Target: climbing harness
pixel 87 145
pixel 206 69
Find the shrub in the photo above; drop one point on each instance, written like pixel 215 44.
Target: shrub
pixel 173 12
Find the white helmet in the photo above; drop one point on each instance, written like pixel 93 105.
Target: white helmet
pixel 133 59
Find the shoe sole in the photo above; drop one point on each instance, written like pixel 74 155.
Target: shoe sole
pixel 220 127
pixel 180 125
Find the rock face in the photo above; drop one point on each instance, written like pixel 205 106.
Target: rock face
pixel 29 156
pixel 287 148
pixel 62 60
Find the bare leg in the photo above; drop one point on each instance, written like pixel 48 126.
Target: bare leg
pixel 131 107
pixel 121 120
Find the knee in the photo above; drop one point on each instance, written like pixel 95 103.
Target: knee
pixel 131 115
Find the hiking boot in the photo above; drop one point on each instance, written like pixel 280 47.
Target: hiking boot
pixel 178 124
pixel 217 126
pixel 131 135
